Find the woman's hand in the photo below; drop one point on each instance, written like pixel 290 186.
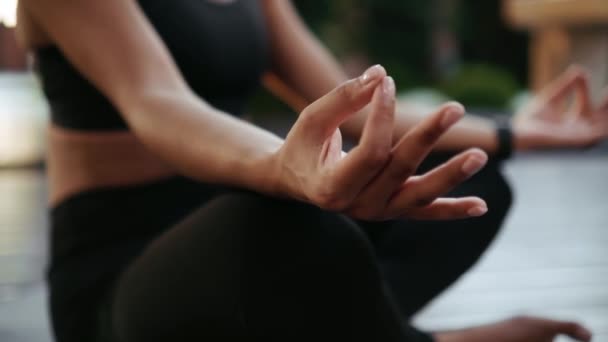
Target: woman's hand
pixel 562 116
pixel 375 180
pixel 519 329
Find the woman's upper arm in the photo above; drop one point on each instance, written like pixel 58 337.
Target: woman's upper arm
pixel 300 60
pixel 112 44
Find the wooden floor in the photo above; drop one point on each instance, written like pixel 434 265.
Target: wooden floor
pixel 551 258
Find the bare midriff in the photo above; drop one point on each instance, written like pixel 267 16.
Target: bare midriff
pixel 79 161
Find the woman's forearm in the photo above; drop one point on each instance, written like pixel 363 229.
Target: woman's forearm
pixel 203 142
pixel 471 131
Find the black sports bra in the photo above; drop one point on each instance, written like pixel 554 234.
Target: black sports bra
pixel 221 50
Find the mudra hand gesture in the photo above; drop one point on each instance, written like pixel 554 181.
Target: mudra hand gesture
pixel 375 180
pixel 562 115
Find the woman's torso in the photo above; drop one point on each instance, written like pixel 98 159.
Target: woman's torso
pixel 110 195
pixel 220 48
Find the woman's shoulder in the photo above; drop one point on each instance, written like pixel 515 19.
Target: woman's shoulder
pixel 29 34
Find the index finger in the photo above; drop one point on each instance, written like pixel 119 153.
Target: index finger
pixel 604 104
pixel 573 81
pixel 330 111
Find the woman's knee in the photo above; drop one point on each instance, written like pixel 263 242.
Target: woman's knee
pixel 303 268
pixel 247 252
pixel 283 229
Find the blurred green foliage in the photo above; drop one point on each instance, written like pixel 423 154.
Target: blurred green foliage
pixel 488 66
pixel 481 86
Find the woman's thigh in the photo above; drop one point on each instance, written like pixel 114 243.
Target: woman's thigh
pixel 248 267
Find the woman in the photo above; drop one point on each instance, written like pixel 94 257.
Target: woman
pixel 239 248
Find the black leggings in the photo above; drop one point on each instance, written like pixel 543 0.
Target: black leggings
pixel 245 267
pixel 420 259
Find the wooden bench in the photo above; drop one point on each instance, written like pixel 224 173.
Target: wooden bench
pixel 563 32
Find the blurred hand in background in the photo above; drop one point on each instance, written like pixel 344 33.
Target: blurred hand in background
pixel 562 115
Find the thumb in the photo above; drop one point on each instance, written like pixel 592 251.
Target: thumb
pixel 574 330
pixel 327 113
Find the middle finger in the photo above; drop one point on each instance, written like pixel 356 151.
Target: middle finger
pixel 406 156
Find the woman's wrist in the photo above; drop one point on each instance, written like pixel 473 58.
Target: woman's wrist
pixel 262 172
pixel 523 138
pixel 278 180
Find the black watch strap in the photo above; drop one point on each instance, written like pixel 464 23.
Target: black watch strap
pixel 504 134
